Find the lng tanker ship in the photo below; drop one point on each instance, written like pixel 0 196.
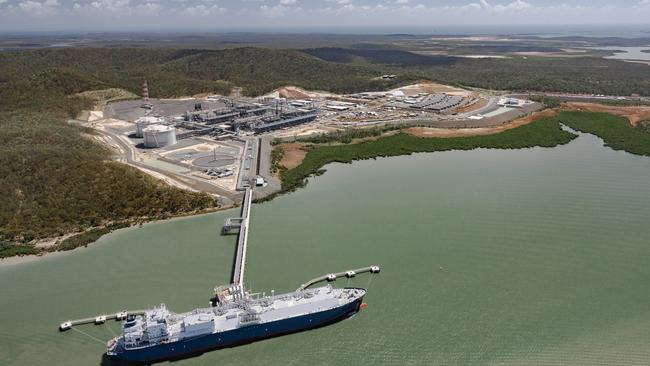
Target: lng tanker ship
pixel 236 318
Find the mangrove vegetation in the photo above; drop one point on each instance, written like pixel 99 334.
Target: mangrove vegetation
pixel 616 132
pixel 544 133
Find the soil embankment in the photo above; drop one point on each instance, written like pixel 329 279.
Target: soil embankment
pixel 635 114
pixel 483 131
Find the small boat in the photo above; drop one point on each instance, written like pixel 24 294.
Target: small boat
pixel 331 277
pixel 101 319
pixel 121 315
pixel 375 269
pixel 350 274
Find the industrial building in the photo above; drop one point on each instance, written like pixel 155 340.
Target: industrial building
pixel 224 118
pixel 144 122
pixel 435 102
pixel 258 117
pixel 284 123
pixel 156 136
pixel 511 102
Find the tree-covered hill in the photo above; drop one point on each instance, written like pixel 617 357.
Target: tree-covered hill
pixel 588 75
pixel 185 72
pixel 54 180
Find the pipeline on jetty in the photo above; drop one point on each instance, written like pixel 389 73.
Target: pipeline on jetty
pixel 99 319
pixel 333 276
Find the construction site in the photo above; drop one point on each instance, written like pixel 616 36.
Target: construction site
pixel 222 145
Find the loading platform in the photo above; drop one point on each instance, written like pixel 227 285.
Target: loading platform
pixel 231 224
pixel 99 319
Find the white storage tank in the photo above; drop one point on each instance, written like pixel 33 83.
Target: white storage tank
pixel 144 122
pixel 159 136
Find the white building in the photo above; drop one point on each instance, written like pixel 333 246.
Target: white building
pixel 511 102
pixel 144 122
pixel 159 136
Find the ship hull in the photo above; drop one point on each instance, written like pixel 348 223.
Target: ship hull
pixel 239 336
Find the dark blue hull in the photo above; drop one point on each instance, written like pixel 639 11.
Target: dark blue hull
pixel 248 334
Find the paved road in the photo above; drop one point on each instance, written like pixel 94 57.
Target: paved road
pixel 264 153
pixel 226 198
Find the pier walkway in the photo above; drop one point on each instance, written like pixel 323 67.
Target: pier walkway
pixel 242 238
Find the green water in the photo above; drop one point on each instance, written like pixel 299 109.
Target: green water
pixel 536 256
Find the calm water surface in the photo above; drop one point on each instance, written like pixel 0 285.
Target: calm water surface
pixel 536 256
pixel 628 53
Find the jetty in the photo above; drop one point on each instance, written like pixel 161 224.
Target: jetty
pixel 237 277
pixel 333 276
pixel 99 319
pixel 236 289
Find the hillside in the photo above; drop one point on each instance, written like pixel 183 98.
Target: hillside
pixel 588 75
pixel 55 181
pixel 185 72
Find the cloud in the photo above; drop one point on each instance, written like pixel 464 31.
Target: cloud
pixel 164 14
pixel 517 5
pixel 203 10
pixel 280 10
pixel 39 8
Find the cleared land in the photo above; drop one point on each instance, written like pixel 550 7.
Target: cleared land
pixel 431 88
pixel 635 114
pixel 293 155
pixel 466 132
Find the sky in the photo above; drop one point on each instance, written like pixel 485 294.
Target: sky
pixel 160 15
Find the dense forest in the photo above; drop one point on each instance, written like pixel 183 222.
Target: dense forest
pixel 53 180
pixel 184 72
pixel 588 75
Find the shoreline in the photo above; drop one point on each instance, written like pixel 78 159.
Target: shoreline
pixel 25 259
pixel 546 132
pixel 549 115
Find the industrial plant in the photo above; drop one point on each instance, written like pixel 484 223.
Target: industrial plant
pixel 222 144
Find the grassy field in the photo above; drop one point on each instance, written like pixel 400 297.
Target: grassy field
pixel 545 133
